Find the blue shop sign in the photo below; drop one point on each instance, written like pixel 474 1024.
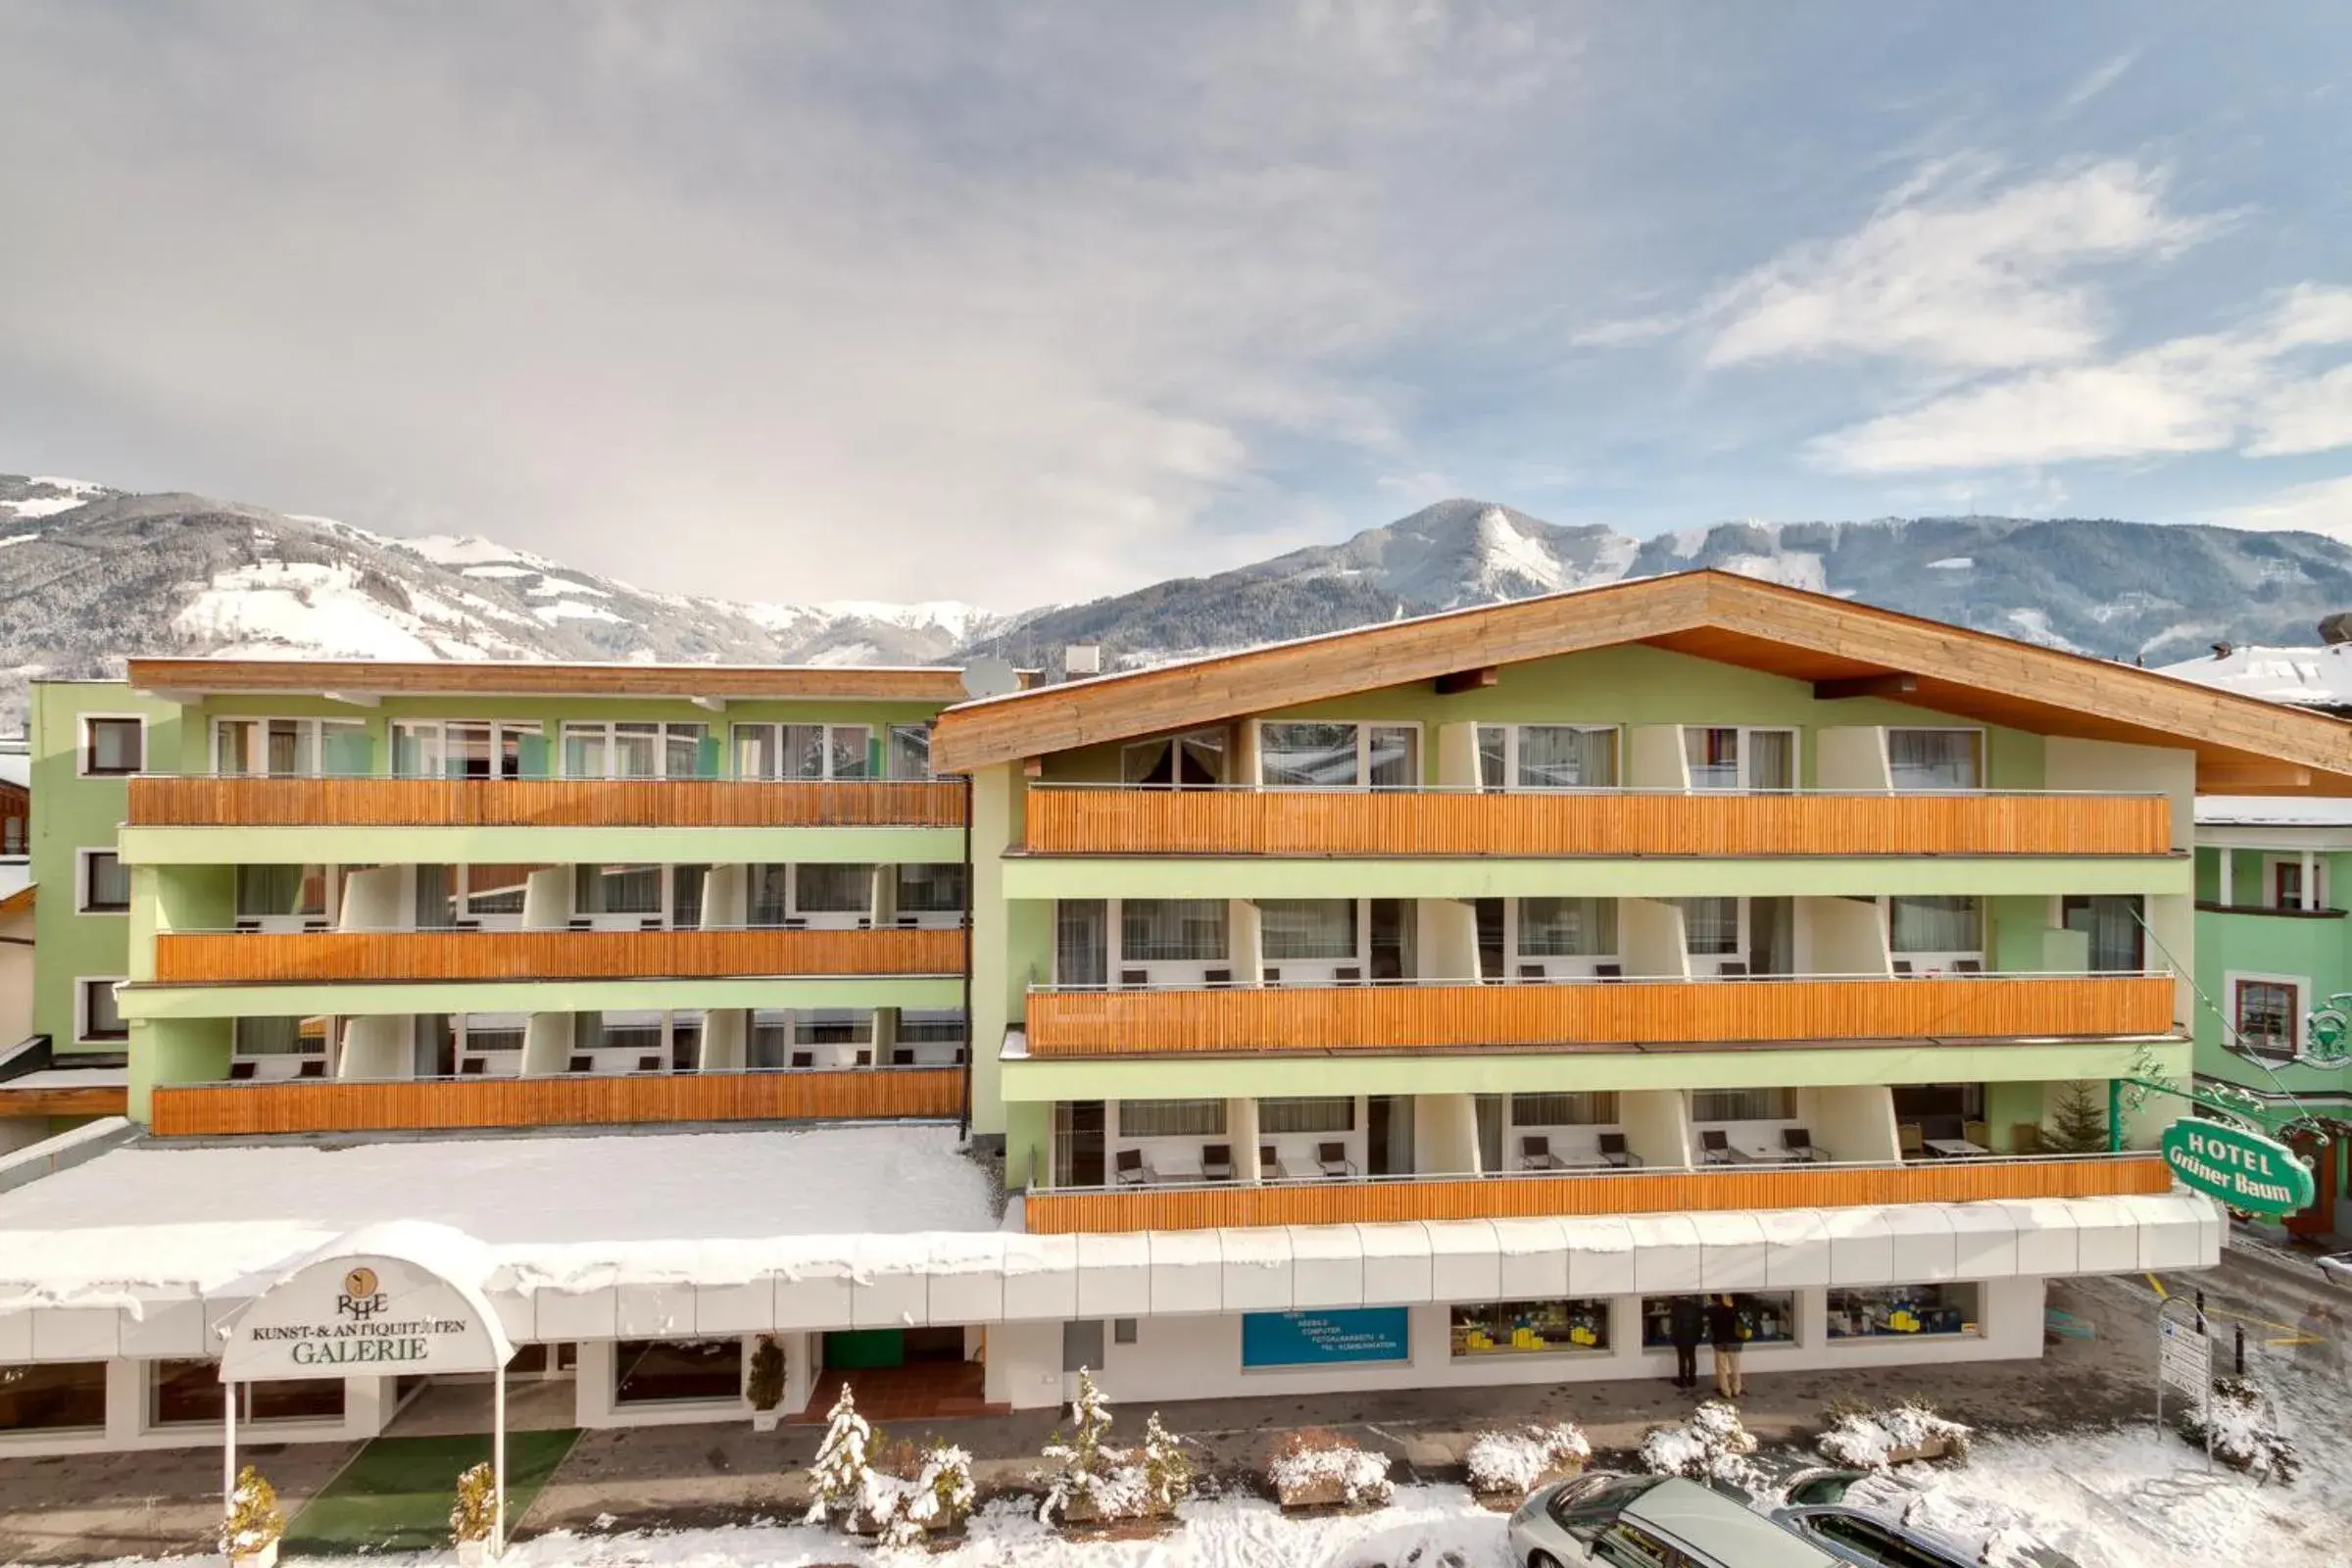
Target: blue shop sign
pixel 1325 1339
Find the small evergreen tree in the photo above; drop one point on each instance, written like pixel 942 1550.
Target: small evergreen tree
pixel 1077 1465
pixel 2077 1123
pixel 841 1482
pixel 763 1384
pixel 476 1511
pixel 1167 1469
pixel 253 1521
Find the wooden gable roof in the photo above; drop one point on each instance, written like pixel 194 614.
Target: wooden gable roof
pixel 1846 648
pixel 202 677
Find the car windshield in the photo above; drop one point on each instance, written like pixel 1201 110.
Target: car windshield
pixel 1586 1511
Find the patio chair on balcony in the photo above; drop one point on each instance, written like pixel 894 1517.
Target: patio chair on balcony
pixel 311 1069
pixel 1332 1159
pixel 649 1063
pixel 1129 1170
pixel 240 1072
pixel 1978 1133
pixel 580 1064
pixel 1912 1138
pixel 1269 1163
pixel 1216 1163
pixel 1714 1146
pixel 1216 979
pixel 1731 969
pixel 1796 1142
pixel 1616 1154
pixel 1902 966
pixel 1534 1154
pixel 1608 971
pixel 1967 966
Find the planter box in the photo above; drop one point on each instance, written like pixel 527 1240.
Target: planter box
pixel 766 1420
pixel 1932 1448
pixel 267 1557
pixel 1543 1478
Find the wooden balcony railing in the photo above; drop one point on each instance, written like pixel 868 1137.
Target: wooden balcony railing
pixel 203 802
pixel 252 958
pixel 1436 1198
pixel 232 1109
pixel 1592 1015
pixel 1086 819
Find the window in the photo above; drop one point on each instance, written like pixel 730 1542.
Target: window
pixel 1903 1311
pixel 2287 882
pixel 1769 1318
pixel 188 1394
pixel 1935 923
pixel 805 751
pixel 100 1020
pixel 1338 755
pixel 1574 928
pixel 1743 1105
pixel 909 750
pixel 1173 1118
pixel 278 1036
pixel 472 748
pixel 1307 1113
pixel 616 890
pixel 281 892
pixel 1082 1345
pixel 113 746
pixel 1546 757
pixel 1530 1327
pixel 1194 761
pixel 928 890
pixel 290 748
pixel 1123 1331
pixel 55 1396
pixel 2266 1013
pixel 496 889
pixel 1730 759
pixel 1081 942
pixel 1710 926
pixel 931 1026
pixel 1936 759
pixel 2118 942
pixel 780 894
pixel 105 883
pixel 1306 928
pixel 833 1027
pixel 1564 1110
pixel 676 1371
pixel 1172 930
pixel 639 749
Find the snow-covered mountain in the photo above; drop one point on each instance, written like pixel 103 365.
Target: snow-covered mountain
pixel 88 574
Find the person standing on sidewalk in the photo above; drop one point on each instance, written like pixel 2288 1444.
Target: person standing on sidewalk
pixel 1722 1331
pixel 1686 1326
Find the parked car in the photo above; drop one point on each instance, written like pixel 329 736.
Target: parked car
pixel 1622 1521
pixel 1857 1524
pixel 2337 1266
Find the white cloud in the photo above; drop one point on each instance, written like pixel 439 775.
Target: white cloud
pixel 2097 81
pixel 1955 277
pixel 2323 508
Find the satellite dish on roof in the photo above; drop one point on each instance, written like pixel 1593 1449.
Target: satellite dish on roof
pixel 989 677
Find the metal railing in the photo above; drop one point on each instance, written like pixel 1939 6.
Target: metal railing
pixel 1425 983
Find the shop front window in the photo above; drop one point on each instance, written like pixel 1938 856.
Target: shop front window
pixel 53 1397
pixel 1766 1317
pixel 1530 1327
pixel 189 1394
pixel 1904 1311
pixel 676 1371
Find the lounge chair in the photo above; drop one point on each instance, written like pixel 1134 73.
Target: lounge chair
pixel 1129 1170
pixel 1912 1138
pixel 1608 971
pixel 1714 1146
pixel 1333 1160
pixel 1534 1154
pixel 1269 1163
pixel 1967 966
pixel 1613 1149
pixel 1216 1163
pixel 1798 1144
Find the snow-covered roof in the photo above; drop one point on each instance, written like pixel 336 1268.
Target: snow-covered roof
pixel 2311 677
pixel 2274 810
pixel 68 1078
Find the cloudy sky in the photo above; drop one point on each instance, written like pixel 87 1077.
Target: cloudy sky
pixel 1027 302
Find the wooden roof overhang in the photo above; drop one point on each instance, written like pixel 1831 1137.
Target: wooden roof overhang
pixel 192 679
pixel 2243 745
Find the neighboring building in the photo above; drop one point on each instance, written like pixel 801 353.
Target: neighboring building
pixel 2318 679
pixel 1420 1005
pixel 2274 955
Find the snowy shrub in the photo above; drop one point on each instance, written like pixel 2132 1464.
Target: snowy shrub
pixel 1514 1464
pixel 2244 1434
pixel 1167 1468
pixel 253 1521
pixel 842 1482
pixel 1089 1481
pixel 1313 1466
pixel 1869 1439
pixel 476 1511
pixel 1713 1445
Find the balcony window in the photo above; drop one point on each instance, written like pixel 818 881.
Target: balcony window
pixel 1768 1317
pixel 928 889
pixel 1564 1110
pixel 805 751
pixel 1172 930
pixel 677 1371
pixel 1575 929
pixel 931 1026
pixel 461 749
pixel 910 755
pixel 1173 1118
pixel 1196 761
pixel 1936 759
pixel 1546 757
pixel 1726 758
pixel 1306 929
pixel 834 895
pixel 1905 1311
pixel 1935 924
pixel 278 1036
pixel 1306 1113
pixel 1338 756
pixel 294 893
pixel 290 748
pixel 639 749
pixel 2117 940
pixel 113 747
pixel 2266 1013
pixel 1530 1327
pixel 1742 1105
pixel 833 1027
pixel 617 1042
pixel 621 889
pixel 1081 942
pixel 686 884
pixel 487 1045
pixel 1710 926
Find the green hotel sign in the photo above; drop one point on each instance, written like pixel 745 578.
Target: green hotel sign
pixel 2245 1170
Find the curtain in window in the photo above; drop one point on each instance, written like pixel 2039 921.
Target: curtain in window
pixel 1081 943
pixel 1307 1113
pixel 834 1028
pixel 1172 930
pixel 1173 1118
pixel 756 751
pixel 1771 759
pixel 1772 935
pixel 110 882
pixel 1932 758
pixel 1714 758
pixel 1395 757
pixel 1565 757
pixel 847 745
pixel 617 888
pixel 2112 922
pixel 1568 928
pixel 833 889
pixel 1710 926
pixel 1307 756
pixel 1306 928
pixel 636 751
pixel 273 1037
pixel 909 750
pixel 585 753
pixel 770 1046
pixel 1935 924
pixel 804 751
pixel 930 889
pixel 1494 756
pixel 939 1025
pixel 436 898
pixel 766 902
pixel 264 891
pixel 682 750
pixel 1743 1105
pixel 1564 1110
pixel 686 896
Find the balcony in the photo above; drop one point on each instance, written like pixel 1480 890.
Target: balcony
pixel 325 1106
pixel 1388 1199
pixel 249 958
pixel 1119 819
pixel 161 800
pixel 1593 1015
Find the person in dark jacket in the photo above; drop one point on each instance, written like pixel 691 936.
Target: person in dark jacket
pixel 1722 1331
pixel 1686 1326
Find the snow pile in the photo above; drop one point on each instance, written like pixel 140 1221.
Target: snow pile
pixel 1512 1463
pixel 1324 1467
pixel 2242 1431
pixel 1873 1440
pixel 1713 1445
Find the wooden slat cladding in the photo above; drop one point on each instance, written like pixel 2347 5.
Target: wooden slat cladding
pixel 271 957
pixel 1440 1197
pixel 1079 820
pixel 222 1110
pixel 1146 1023
pixel 163 802
pixel 62 1102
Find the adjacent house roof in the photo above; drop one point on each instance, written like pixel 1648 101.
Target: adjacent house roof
pixel 367 678
pixel 2308 677
pixel 1850 648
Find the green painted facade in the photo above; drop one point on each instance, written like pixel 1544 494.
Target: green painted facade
pixel 2314 952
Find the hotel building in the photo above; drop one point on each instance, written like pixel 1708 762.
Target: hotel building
pixel 1415 1007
